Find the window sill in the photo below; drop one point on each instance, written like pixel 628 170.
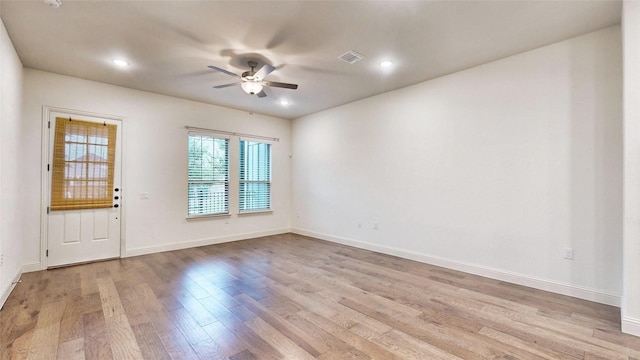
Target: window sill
pixel 256 212
pixel 207 216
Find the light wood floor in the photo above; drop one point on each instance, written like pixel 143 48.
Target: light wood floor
pixel 293 297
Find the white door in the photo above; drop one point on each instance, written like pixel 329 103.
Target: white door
pixel 84 234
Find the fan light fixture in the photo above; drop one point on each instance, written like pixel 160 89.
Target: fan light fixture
pixel 252 81
pixel 251 87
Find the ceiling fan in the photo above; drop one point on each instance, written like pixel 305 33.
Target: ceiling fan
pixel 252 81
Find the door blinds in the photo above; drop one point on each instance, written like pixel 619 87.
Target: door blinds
pixel 83 164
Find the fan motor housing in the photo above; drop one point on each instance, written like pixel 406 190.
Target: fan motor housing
pixel 248 76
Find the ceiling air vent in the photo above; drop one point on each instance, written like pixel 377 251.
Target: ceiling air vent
pixel 351 57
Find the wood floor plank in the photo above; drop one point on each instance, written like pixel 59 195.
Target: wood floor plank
pixel 71 324
pixel 362 344
pixel 277 340
pixel 209 349
pixel 44 344
pixel 20 348
pixel 196 309
pixel 228 342
pixel 441 337
pixel 88 284
pixel 617 337
pixel 244 355
pixel 408 347
pixel 150 344
pixel 333 344
pixel 341 314
pixel 539 351
pixel 294 297
pixel 153 307
pixel 300 338
pixel 188 326
pixel 123 341
pixel 256 345
pixel 72 350
pixel 97 344
pixel 176 345
pixel 135 309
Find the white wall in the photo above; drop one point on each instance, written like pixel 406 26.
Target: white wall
pixel 493 170
pixel 631 275
pixel 155 161
pixel 11 210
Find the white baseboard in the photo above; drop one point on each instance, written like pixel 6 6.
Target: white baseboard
pixel 497 274
pixel 31 267
pixel 631 326
pixel 6 293
pixel 202 242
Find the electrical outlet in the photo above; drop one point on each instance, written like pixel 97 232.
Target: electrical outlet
pixel 568 253
pixel 359 224
pixel 144 195
pixel 375 226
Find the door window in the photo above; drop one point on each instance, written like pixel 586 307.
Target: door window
pixel 83 164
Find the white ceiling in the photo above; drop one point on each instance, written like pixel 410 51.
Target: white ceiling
pixel 170 43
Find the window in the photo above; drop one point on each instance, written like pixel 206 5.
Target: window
pixel 83 164
pixel 208 175
pixel 255 176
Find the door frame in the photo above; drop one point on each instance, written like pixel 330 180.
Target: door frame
pixel 45 192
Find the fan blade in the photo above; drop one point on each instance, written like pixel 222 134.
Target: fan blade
pixel 262 94
pixel 221 70
pixel 264 71
pixel 225 85
pixel 280 85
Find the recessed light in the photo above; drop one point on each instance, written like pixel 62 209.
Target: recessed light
pixel 120 62
pixel 284 102
pixel 386 63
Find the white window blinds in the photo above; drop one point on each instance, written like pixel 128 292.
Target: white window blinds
pixel 255 176
pixel 208 175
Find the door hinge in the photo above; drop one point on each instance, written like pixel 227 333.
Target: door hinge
pixel 49 125
pixel 47 209
pixel 47 254
pixel 47 167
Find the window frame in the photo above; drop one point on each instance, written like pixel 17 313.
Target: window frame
pixel 212 181
pixel 240 181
